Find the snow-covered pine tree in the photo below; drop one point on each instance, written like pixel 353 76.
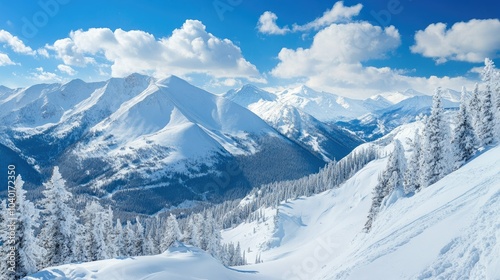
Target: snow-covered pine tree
pixel 96 231
pixel 491 77
pixel 196 226
pixel 172 233
pixel 486 116
pixel 212 236
pixel 129 238
pixel 435 145
pixel 28 252
pixel 474 109
pixel 464 139
pixel 119 239
pixel 390 182
pixel 153 240
pixel 111 250
pixel 139 243
pixel 58 234
pixel 411 177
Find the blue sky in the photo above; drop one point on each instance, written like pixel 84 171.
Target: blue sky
pixel 353 48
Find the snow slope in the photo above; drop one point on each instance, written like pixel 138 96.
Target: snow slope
pixel 181 262
pixel 449 230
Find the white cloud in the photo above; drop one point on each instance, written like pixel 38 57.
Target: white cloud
pixel 15 43
pixel 190 49
pixel 338 13
pixel 5 60
pixel 334 63
pixel 470 41
pixel 267 24
pixel 43 52
pixel 66 69
pixel 335 45
pixel 43 76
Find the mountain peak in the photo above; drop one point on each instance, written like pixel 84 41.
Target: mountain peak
pixel 249 94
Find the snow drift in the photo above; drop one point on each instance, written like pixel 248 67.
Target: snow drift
pixel 180 262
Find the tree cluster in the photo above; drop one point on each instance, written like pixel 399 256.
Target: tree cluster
pixel 437 151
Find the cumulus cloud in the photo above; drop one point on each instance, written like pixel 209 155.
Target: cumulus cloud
pixel 335 45
pixel 470 41
pixel 334 63
pixel 190 49
pixel 5 60
pixel 43 76
pixel 267 24
pixel 66 69
pixel 15 43
pixel 338 13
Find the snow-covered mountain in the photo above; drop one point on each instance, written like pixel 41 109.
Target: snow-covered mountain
pixel 134 137
pixel 380 122
pixel 448 230
pixel 398 96
pixel 368 119
pixel 328 141
pixel 324 106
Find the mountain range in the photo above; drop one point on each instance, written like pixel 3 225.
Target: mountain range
pixel 144 144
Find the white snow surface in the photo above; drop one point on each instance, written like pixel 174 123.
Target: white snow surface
pixel 181 262
pixel 450 230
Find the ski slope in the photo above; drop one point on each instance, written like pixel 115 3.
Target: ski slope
pixel 449 230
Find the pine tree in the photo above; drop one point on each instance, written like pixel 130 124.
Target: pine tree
pixel 435 145
pixel 96 230
pixel 486 131
pixel 412 178
pixel 111 249
pixel 491 77
pixel 28 252
pixel 464 139
pixel 172 233
pixel 119 240
pixel 212 236
pixel 153 240
pixel 129 238
pixel 390 182
pixel 60 222
pixel 140 237
pixel 474 110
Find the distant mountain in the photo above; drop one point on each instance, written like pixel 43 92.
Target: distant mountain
pixel 145 144
pixel 328 141
pixel 324 106
pixel 398 96
pixel 374 125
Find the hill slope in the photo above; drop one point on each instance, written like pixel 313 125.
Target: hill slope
pixel 446 231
